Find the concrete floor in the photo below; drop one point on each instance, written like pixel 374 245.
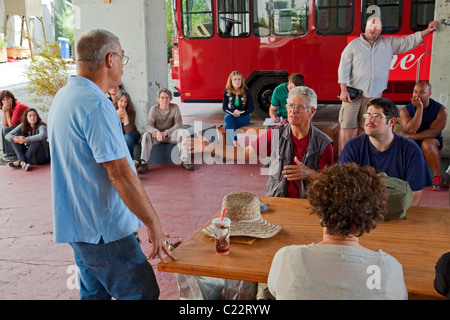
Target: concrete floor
pixel 32 266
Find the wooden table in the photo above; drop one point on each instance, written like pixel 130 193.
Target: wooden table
pixel 417 243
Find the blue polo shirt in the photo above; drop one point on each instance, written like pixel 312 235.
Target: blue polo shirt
pixel 84 131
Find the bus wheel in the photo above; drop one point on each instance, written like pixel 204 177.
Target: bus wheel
pixel 262 93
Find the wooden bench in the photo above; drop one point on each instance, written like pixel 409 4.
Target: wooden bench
pixel 331 129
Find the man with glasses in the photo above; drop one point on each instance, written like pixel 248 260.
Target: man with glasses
pixel 380 147
pixel 98 200
pixel 296 149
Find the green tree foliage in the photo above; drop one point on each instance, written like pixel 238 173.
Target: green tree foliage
pixel 47 73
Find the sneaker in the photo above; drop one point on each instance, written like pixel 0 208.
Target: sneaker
pixel 438 183
pixel 143 168
pixel 9 159
pixel 25 166
pixel 187 166
pixel 14 164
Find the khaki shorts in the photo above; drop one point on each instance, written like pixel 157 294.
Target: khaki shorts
pixel 351 113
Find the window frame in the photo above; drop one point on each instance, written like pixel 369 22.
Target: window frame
pixel 352 6
pixel 243 13
pixel 184 14
pixel 364 16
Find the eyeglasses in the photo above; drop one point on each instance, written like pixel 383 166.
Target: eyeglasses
pixel 374 116
pixel 124 58
pixel 297 107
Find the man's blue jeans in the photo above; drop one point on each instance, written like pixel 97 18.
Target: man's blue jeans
pixel 117 269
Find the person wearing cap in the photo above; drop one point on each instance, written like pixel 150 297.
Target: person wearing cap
pixel 381 148
pixel 349 201
pixel 296 149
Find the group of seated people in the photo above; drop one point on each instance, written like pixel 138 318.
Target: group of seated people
pixel 24 134
pixel 303 149
pixel 301 165
pixel 163 124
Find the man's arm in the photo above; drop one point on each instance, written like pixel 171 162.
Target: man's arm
pixel 412 124
pixel 344 70
pixel 133 195
pixel 202 145
pixel 273 113
pixel 435 128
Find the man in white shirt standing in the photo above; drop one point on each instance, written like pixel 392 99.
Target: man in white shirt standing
pixel 364 65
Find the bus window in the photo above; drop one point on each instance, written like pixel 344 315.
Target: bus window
pixel 390 11
pixel 290 18
pixel 233 18
pixel 334 17
pixel 422 12
pixel 261 18
pixel 197 18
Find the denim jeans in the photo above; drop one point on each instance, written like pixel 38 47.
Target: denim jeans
pixel 232 123
pixel 7 146
pixel 131 139
pixel 35 153
pixel 117 269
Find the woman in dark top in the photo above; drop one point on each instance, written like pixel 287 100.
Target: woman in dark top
pixel 237 105
pixel 127 115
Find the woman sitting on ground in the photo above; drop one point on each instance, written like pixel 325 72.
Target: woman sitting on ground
pixel 12 112
pixel 127 116
pixel 349 201
pixel 237 105
pixel 29 140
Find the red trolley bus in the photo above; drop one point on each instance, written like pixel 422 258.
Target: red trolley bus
pixel 266 40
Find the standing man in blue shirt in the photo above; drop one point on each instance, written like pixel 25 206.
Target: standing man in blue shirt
pixel 387 151
pixel 98 200
pixel 423 121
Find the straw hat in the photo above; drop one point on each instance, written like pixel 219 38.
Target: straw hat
pixel 243 209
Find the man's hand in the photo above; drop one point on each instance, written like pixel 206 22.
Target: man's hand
pixel 298 171
pixel 161 136
pixel 432 26
pixel 344 96
pixel 196 145
pixel 156 237
pixel 417 102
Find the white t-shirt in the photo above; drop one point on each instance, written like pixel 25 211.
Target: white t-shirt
pixel 317 271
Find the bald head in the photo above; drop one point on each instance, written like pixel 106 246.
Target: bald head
pixel 93 46
pixel 373 30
